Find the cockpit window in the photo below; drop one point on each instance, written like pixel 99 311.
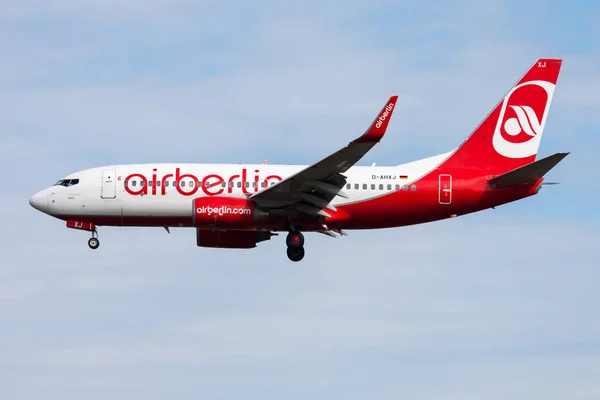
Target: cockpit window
pixel 67 182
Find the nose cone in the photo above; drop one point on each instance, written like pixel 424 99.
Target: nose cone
pixel 39 201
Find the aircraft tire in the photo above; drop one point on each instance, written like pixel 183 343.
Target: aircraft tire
pixel 94 243
pixel 294 239
pixel 295 254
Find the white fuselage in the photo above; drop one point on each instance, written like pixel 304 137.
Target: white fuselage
pixel 148 190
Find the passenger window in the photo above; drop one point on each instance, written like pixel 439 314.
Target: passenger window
pixel 263 184
pixel 348 186
pixel 372 186
pixel 389 186
pixel 182 183
pixel 133 183
pixel 231 184
pixel 253 184
pixel 223 184
pixel 157 183
pixel 142 183
pixel 413 187
pixel 364 186
pixel 247 184
pixel 126 183
pixel 381 186
pixel 191 183
pixel 239 184
pixel 405 187
pixel 356 186
pixel 174 183
pixel 397 187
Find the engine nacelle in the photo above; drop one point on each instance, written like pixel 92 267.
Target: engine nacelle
pixel 230 239
pixel 226 212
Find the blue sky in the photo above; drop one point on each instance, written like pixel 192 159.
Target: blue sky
pixel 500 304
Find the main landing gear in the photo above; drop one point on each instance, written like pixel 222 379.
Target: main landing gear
pixel 295 245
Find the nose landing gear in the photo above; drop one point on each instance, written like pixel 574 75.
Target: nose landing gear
pixel 295 245
pixel 94 243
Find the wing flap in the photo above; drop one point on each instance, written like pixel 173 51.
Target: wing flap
pixel 318 201
pixel 311 210
pixel 327 188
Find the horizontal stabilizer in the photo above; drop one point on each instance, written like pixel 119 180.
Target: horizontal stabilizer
pixel 529 173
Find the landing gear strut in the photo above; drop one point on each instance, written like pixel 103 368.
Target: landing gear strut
pixel 295 245
pixel 94 243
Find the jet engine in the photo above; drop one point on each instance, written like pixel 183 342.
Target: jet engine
pixel 223 212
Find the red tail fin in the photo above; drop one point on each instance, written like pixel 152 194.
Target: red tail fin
pixel 509 137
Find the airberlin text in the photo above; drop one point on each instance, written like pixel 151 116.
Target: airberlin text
pixel 384 115
pixel 211 184
pixel 223 210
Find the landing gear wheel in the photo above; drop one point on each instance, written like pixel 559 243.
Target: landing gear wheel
pixel 294 239
pixel 295 253
pixel 94 243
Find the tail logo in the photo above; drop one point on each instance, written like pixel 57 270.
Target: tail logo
pixel 526 122
pixel 521 120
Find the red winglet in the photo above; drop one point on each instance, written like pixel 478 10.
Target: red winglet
pixel 378 127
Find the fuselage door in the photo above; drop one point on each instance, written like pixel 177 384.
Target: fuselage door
pixel 445 189
pixel 109 184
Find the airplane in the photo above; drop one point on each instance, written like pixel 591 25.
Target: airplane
pixel 237 206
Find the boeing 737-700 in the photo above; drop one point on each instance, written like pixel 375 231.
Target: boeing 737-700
pixel 238 206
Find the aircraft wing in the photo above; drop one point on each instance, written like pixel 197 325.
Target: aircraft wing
pixel 312 189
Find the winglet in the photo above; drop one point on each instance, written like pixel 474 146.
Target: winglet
pixel 379 126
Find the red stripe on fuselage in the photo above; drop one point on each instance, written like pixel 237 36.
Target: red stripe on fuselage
pixel 398 208
pixel 402 208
